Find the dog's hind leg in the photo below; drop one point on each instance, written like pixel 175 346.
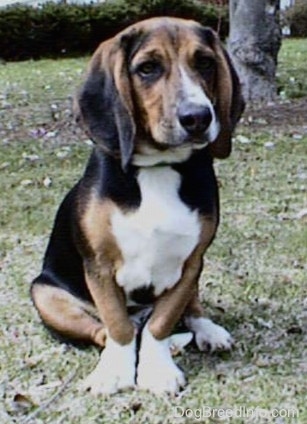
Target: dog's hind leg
pixel 71 318
pixel 208 335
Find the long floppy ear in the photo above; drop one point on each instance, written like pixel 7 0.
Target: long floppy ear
pixel 104 105
pixel 229 101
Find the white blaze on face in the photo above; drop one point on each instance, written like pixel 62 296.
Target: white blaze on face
pixel 192 93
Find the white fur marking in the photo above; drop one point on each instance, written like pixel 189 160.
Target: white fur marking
pixel 151 156
pixel 157 372
pixel 209 334
pixel 193 93
pixel 157 238
pixel 115 370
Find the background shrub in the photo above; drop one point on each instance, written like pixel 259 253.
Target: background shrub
pixel 57 30
pixel 297 18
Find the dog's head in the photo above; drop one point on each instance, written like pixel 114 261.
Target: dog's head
pixel 162 85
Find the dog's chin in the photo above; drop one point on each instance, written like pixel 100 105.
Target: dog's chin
pixel 155 153
pixel 189 143
pixel 171 142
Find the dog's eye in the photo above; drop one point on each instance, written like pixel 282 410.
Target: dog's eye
pixel 205 65
pixel 148 69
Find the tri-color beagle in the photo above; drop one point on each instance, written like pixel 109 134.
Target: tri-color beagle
pixel 160 101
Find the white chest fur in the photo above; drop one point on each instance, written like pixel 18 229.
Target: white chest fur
pixel 156 239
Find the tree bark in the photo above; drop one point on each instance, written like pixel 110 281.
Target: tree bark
pixel 254 42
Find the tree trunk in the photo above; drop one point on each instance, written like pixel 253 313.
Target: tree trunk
pixel 254 42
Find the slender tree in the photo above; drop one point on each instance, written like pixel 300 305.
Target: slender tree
pixel 254 42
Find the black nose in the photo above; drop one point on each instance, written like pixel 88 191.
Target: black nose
pixel 194 119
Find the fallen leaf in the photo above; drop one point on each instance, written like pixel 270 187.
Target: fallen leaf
pixel 47 182
pixel 243 140
pixel 31 158
pixel 294 329
pixel 302 214
pixel 26 182
pixel 21 402
pixel 297 136
pixel 269 145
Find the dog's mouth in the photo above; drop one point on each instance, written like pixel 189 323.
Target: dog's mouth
pixel 174 142
pixel 157 154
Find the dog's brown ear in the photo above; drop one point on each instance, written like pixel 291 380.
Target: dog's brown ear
pixel 229 100
pixel 104 105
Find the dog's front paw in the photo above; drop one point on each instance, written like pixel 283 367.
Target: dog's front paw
pixel 208 335
pixel 115 370
pixel 157 371
pixel 160 378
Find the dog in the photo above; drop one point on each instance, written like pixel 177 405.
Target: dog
pixel 160 101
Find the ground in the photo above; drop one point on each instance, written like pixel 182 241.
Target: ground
pixel 254 281
pixel 285 117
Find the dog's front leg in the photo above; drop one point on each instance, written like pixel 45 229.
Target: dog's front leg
pixel 116 368
pixel 157 371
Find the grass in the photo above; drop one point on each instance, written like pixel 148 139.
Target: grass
pixel 254 281
pixel 290 78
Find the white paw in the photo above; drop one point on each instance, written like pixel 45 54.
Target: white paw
pixel 157 371
pixel 115 370
pixel 209 335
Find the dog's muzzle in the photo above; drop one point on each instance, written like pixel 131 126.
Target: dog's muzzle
pixel 195 119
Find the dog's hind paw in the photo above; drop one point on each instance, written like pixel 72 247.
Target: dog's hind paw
pixel 208 335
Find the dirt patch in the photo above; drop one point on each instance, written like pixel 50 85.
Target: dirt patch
pixel 40 123
pixel 58 127
pixel 288 117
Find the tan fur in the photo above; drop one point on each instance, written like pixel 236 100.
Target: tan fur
pixel 72 317
pixel 181 298
pixel 96 226
pixel 100 270
pixel 110 302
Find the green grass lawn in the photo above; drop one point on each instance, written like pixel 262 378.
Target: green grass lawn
pixel 291 77
pixel 254 282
